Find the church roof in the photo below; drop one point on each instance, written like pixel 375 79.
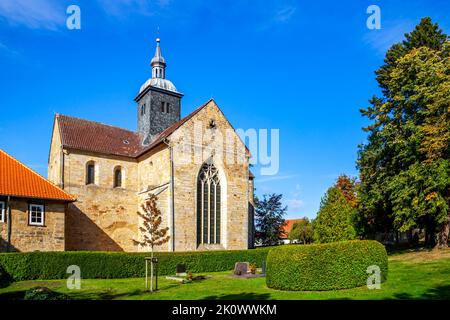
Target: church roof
pixel 17 180
pixel 97 137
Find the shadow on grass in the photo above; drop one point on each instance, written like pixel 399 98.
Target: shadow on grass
pixel 436 293
pixel 13 295
pixel 240 296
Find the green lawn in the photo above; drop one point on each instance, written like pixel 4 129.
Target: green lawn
pixel 419 275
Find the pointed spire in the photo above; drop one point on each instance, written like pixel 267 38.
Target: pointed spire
pixel 158 63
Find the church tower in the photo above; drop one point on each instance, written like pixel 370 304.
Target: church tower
pixel 158 101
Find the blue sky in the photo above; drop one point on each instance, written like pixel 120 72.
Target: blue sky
pixel 304 67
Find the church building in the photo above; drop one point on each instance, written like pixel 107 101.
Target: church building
pixel 197 166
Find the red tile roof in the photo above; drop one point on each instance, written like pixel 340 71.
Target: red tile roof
pixel 102 138
pixel 19 181
pixel 287 227
pixel 97 137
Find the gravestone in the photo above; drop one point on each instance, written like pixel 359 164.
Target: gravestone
pixel 181 270
pixel 263 268
pixel 241 268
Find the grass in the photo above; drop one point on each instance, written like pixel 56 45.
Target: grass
pixel 412 275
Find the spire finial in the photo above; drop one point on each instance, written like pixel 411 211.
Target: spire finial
pixel 158 62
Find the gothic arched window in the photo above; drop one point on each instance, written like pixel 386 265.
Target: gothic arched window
pixel 118 177
pixel 208 205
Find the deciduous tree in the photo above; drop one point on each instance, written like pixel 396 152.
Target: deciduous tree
pixel 404 166
pixel 152 233
pixel 302 231
pixel 269 218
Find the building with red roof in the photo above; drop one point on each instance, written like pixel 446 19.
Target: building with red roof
pixel 287 228
pixel 32 209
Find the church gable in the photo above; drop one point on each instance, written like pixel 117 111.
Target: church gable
pixel 209 127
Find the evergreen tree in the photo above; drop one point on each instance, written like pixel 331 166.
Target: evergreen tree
pixel 334 220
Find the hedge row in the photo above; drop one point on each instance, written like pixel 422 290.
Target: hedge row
pixel 5 278
pixel 107 265
pixel 338 265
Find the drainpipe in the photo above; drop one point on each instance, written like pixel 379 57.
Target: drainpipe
pixel 8 237
pixel 172 196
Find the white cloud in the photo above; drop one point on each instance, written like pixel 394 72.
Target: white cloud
pixel 277 178
pixel 4 49
pixel 285 14
pixel 122 8
pixel 295 204
pixel 390 33
pixel 33 14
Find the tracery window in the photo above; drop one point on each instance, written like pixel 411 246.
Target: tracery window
pixel 208 205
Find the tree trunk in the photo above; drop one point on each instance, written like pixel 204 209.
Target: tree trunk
pixel 444 234
pixel 430 236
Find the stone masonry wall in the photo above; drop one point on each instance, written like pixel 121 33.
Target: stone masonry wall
pixel 54 164
pixel 104 217
pixel 234 182
pixel 154 177
pixel 154 121
pixel 26 238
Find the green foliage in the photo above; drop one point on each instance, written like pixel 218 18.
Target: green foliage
pixel 108 265
pixel 302 231
pixel 404 166
pixel 331 266
pixel 269 217
pixel 43 293
pixel 5 278
pixel 334 220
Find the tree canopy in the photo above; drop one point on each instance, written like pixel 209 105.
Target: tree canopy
pixel 334 220
pixel 269 219
pixel 302 231
pixel 404 165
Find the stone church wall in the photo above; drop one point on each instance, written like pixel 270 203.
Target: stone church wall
pixel 154 177
pixel 104 217
pixel 234 229
pixel 54 164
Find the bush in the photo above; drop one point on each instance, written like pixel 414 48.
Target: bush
pixel 5 278
pixel 315 267
pixel 107 265
pixel 43 293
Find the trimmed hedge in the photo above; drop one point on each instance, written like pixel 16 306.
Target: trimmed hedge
pixel 5 278
pixel 107 265
pixel 330 266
